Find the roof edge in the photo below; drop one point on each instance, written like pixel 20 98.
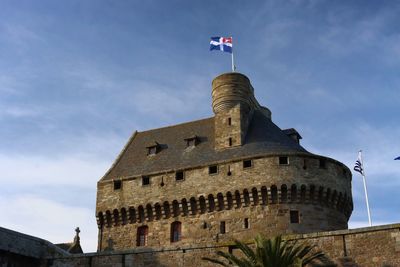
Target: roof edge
pixel 120 155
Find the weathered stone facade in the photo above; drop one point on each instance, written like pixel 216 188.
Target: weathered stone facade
pixel 230 176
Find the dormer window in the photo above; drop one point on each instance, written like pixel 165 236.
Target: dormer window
pixel 192 141
pixel 153 148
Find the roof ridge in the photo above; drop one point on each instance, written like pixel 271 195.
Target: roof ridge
pixel 175 125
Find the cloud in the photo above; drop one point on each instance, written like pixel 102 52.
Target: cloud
pixel 48 219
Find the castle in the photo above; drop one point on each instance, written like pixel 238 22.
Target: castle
pixel 227 177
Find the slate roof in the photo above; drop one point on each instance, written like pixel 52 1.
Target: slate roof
pixel 263 138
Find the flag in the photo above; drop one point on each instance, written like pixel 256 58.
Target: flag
pixel 398 158
pixel 221 43
pixel 358 167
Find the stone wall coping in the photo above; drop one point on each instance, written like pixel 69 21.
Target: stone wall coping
pixel 28 245
pixel 288 237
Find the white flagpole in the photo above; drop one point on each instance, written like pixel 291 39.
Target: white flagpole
pixel 233 62
pixel 365 190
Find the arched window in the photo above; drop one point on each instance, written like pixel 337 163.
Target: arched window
pixel 116 217
pixel 132 215
pixel 108 218
pixel 211 203
pixel 312 193
pixel 193 206
pixel 141 237
pixel 124 218
pixel 220 199
pixel 157 208
pixel 101 219
pixel 176 231
pixel 274 194
pixel 202 201
pixel 264 195
pixel 293 193
pixel 229 200
pixel 328 197
pixel 320 195
pixel 167 211
pixel 303 190
pixel 283 193
pixel 149 211
pixel 175 208
pixel 254 194
pixel 185 209
pixel 141 214
pixel 246 197
pixel 237 199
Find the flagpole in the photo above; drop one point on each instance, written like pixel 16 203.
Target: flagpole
pixel 365 190
pixel 233 62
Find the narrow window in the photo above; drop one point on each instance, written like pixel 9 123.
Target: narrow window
pixel 230 141
pixel 151 150
pixel 204 225
pixel 117 185
pixel 294 216
pixel 222 229
pixel 246 223
pixel 283 160
pixel 179 176
pixel 213 169
pixel 229 121
pixel 142 233
pixel 304 164
pixel 145 180
pixel 176 234
pixel 322 163
pixel 247 164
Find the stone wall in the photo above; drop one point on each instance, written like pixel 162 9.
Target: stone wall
pixel 264 193
pixel 377 246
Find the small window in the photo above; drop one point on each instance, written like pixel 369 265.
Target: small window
pixel 222 229
pixel 283 160
pixel 246 223
pixel 176 234
pixel 229 121
pixel 304 164
pixel 213 169
pixel 142 233
pixel 230 141
pixel 179 176
pixel 204 226
pixel 322 163
pixel 145 180
pixel 294 216
pixel 117 185
pixel 192 141
pixel 152 150
pixel 247 164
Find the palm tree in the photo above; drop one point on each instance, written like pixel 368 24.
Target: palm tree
pixel 273 252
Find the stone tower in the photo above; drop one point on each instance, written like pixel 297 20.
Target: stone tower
pixel 209 181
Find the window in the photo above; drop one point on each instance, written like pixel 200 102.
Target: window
pixel 179 176
pixel 246 223
pixel 145 180
pixel 247 164
pixel 213 169
pixel 117 185
pixel 229 121
pixel 222 229
pixel 142 233
pixel 230 141
pixel 192 141
pixel 176 234
pixel 322 163
pixel 294 216
pixel 283 160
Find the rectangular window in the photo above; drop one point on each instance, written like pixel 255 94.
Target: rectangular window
pixel 230 141
pixel 322 163
pixel 229 121
pixel 145 180
pixel 142 233
pixel 117 185
pixel 152 150
pixel 179 176
pixel 246 223
pixel 294 216
pixel 222 229
pixel 190 142
pixel 213 169
pixel 283 160
pixel 247 164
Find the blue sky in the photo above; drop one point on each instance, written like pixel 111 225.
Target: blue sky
pixel 78 77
